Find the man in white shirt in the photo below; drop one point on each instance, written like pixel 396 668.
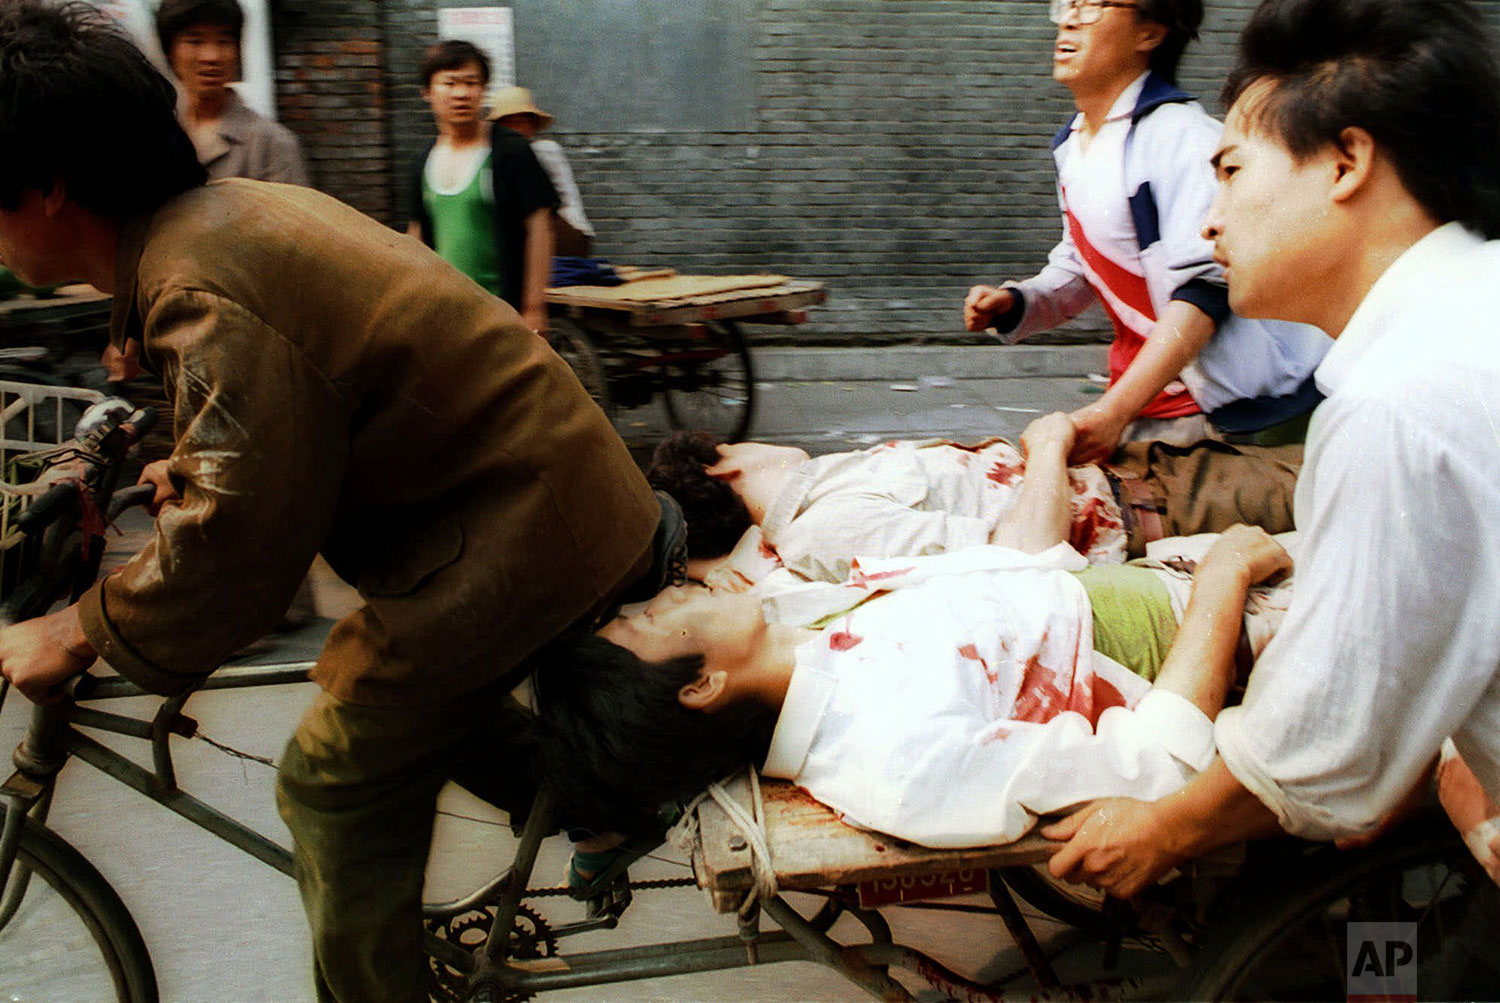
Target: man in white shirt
pixel 1133 185
pixel 1360 192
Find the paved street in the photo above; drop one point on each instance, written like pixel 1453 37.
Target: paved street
pixel 224 927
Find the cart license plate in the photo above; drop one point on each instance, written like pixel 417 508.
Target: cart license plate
pixel 888 891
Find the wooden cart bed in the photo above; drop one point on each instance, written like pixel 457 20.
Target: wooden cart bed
pixel 662 298
pixel 812 848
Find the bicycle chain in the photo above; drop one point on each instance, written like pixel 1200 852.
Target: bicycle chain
pixel 542 893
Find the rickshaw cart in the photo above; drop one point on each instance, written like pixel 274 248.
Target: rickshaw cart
pixel 677 336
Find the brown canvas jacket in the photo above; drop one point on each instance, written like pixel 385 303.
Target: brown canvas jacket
pixel 337 387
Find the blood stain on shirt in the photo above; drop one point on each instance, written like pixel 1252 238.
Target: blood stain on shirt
pixel 858 576
pixel 1088 519
pixel 1039 698
pixel 971 653
pixel 842 640
pixel 1001 473
pixel 767 551
pixel 1105 696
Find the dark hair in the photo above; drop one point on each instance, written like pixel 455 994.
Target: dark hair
pixel 1181 18
pixel 453 54
pixel 716 516
pixel 174 17
pixel 615 743
pixel 80 104
pixel 1418 76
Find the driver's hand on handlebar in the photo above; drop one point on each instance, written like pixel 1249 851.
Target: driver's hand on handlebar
pixel 39 655
pixel 157 476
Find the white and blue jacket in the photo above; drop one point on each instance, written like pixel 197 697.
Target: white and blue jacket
pixel 1252 373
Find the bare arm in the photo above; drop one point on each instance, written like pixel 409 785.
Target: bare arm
pixel 1123 845
pixel 414 229
pixel 537 270
pixel 1179 335
pixel 1041 516
pixel 1200 667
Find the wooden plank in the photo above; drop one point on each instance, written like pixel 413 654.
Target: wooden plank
pixel 667 290
pixel 792 296
pixel 812 848
pixel 632 273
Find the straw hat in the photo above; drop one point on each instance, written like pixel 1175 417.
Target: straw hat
pixel 517 101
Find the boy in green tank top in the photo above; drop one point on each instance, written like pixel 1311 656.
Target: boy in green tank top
pixel 481 199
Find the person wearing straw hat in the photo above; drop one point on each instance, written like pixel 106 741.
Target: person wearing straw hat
pixel 486 207
pixel 513 107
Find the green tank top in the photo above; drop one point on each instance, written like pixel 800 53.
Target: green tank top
pixel 463 227
pixel 1133 619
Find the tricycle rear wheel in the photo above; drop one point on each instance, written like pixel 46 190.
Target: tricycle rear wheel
pixel 709 384
pixel 576 347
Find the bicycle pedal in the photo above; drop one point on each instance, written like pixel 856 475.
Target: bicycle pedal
pixel 611 903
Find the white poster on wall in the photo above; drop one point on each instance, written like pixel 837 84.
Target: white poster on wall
pixel 489 28
pixel 256 87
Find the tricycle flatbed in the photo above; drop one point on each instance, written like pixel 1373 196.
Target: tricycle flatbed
pixel 811 847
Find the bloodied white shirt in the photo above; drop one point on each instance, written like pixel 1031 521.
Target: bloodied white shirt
pixel 917 498
pixel 966 698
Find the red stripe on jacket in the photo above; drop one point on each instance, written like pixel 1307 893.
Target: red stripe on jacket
pixel 1130 289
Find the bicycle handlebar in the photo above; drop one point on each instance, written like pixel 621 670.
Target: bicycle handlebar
pixel 46 509
pixel 135 496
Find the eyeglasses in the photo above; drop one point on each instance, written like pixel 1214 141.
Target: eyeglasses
pixel 1083 11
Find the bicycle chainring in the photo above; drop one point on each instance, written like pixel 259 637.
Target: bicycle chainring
pixel 530 938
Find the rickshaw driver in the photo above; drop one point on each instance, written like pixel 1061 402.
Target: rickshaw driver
pixel 1359 191
pixel 336 387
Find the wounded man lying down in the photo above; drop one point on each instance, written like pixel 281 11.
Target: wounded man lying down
pixel 960 700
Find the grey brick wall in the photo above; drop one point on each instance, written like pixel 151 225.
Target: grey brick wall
pixel 898 151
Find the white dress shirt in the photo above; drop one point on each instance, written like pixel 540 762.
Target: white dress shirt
pixel 1392 641
pixel 906 498
pixel 956 708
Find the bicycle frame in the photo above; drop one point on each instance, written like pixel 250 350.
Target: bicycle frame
pixel 54 736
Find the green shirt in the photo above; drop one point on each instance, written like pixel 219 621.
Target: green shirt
pixel 463 227
pixel 1133 619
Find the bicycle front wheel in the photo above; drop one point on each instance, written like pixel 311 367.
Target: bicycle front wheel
pixel 64 933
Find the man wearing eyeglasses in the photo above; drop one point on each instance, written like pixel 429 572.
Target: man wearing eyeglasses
pixel 1134 185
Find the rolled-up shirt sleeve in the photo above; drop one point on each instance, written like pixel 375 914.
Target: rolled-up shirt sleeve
pixel 1389 641
pixel 261 442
